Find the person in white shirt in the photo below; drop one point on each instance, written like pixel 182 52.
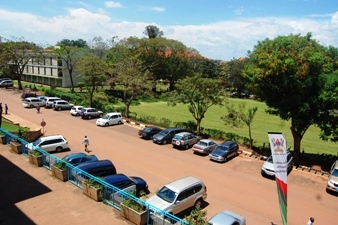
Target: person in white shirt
pixel 311 221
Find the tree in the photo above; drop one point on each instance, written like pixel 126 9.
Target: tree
pixel 199 94
pixel 80 43
pixel 236 118
pixel 17 55
pixel 92 69
pixel 132 79
pixel 152 31
pixel 286 74
pixel 70 55
pixel 236 66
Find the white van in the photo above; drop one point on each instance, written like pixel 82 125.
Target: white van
pixel 109 119
pixel 52 143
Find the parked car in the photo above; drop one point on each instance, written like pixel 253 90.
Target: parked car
pixel 184 140
pixel 204 146
pixel 62 105
pixel 224 151
pixel 148 132
pixel 76 110
pixel 98 168
pixel 332 183
pixel 122 181
pixel 109 119
pixel 28 95
pixel 49 101
pixel 268 168
pixel 6 83
pixel 180 195
pixel 42 98
pixel 5 78
pixel 51 143
pixel 227 218
pixel 166 136
pixel 78 158
pixel 89 113
pixel 32 102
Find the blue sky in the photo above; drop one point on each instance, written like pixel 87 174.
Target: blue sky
pixel 217 29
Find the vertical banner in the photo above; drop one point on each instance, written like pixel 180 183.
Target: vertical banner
pixel 279 157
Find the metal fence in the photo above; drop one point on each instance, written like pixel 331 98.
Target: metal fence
pixel 111 195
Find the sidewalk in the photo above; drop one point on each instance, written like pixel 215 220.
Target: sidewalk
pixel 31 195
pixel 24 123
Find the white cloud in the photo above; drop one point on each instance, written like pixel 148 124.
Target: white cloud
pixel 222 40
pixel 158 9
pixel 111 4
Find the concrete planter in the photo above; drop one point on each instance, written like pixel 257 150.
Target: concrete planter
pixel 59 174
pixel 138 218
pixel 3 140
pixel 16 147
pixel 92 192
pixel 36 160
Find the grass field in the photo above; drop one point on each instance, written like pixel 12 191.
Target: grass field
pixel 262 124
pixel 9 126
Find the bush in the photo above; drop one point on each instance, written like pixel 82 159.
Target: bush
pixel 60 165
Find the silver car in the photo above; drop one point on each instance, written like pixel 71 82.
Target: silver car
pixel 204 146
pixel 76 110
pixel 227 218
pixel 180 195
pixel 184 140
pixel 332 183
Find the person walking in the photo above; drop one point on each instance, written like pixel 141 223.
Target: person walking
pixel 86 144
pixel 311 221
pixel 38 108
pixel 6 109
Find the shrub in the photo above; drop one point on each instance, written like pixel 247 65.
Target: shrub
pixel 164 122
pixel 60 165
pixel 34 153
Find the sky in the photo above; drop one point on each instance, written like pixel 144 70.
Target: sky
pixel 217 29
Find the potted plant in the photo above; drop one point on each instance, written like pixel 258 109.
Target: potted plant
pixel 16 144
pixel 35 157
pixel 134 211
pixel 3 138
pixel 60 170
pixel 93 189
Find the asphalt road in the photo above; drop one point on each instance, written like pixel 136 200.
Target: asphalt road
pixel 236 185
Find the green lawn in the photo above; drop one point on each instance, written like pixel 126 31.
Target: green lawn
pixel 262 124
pixel 9 126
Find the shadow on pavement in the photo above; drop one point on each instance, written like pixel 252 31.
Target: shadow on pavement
pixel 16 186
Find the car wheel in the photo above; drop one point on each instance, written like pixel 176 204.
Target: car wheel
pixel 198 204
pixel 59 149
pixel 77 114
pixel 59 108
pixel 31 106
pixel 89 117
pixel 107 124
pixel 164 142
pixel 141 193
pixel 120 122
pixel 186 147
pixel 100 115
pixel 225 159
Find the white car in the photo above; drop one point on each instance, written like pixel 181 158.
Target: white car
pixel 268 169
pixel 332 183
pixel 227 218
pixel 76 110
pixel 109 119
pixel 51 143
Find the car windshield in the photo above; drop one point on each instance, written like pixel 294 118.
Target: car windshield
pixel 164 132
pixel 166 194
pixel 148 129
pixel 202 143
pixel 37 142
pixel 335 172
pixel 106 117
pixel 270 159
pixel 223 148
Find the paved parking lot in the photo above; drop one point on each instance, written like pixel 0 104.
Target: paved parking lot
pixel 236 185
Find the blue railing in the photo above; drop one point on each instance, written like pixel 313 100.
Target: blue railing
pixel 112 196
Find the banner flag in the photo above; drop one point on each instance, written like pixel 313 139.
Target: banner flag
pixel 279 158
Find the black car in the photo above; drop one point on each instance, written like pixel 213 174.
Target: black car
pixel 224 151
pixel 28 95
pixel 166 136
pixel 149 132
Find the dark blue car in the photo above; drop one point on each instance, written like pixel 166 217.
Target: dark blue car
pixel 124 182
pixel 224 151
pixel 78 158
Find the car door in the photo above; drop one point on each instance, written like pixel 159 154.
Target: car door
pixel 45 145
pixel 113 120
